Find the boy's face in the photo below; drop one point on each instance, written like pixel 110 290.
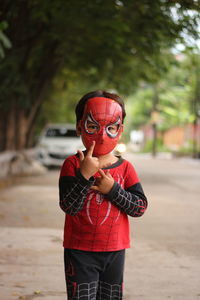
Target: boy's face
pixel 102 123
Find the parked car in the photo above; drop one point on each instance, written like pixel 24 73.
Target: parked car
pixel 56 142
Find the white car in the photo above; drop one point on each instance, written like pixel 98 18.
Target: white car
pixel 57 142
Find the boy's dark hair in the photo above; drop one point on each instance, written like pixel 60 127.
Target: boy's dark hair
pixel 99 93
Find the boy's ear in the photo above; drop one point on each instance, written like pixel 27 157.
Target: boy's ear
pixel 78 128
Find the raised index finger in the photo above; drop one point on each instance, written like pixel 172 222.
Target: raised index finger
pixel 91 149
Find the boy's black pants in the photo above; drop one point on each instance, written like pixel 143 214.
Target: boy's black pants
pixel 94 275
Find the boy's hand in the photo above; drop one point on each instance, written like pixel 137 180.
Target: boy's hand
pixel 89 164
pixel 104 183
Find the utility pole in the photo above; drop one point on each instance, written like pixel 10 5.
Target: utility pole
pixel 155 119
pixel 196 110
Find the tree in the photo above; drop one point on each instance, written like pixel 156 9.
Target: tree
pixel 95 39
pixel 179 99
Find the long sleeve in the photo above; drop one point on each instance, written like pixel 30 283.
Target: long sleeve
pixel 73 191
pixel 132 201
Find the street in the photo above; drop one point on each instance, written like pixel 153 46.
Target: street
pixel 163 262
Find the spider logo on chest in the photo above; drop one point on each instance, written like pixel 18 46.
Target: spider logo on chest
pixel 99 198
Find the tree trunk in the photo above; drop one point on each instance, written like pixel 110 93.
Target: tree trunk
pixel 154 120
pixel 13 128
pixel 16 127
pixel 20 122
pixel 3 121
pixel 196 106
pixel 154 142
pixel 21 129
pixel 10 130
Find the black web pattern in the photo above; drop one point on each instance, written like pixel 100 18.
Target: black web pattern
pixel 84 291
pixel 72 200
pixel 108 291
pixel 74 204
pixel 130 203
pixel 95 291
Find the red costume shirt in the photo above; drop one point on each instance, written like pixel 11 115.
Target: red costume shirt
pixel 97 222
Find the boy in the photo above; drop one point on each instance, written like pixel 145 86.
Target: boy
pixel 97 192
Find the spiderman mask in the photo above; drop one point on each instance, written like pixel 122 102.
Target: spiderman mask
pixel 102 123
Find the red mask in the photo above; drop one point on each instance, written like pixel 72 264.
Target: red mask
pixel 102 123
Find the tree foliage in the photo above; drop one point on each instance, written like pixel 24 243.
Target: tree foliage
pixel 111 42
pixel 178 92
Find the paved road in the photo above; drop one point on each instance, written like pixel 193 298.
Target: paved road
pixel 163 263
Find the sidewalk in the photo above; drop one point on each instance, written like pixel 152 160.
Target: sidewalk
pixel 31 264
pixel 31 252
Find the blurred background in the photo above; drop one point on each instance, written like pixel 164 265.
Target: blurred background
pixel 51 53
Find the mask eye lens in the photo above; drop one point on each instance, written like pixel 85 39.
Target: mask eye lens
pixel 91 127
pixel 112 129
